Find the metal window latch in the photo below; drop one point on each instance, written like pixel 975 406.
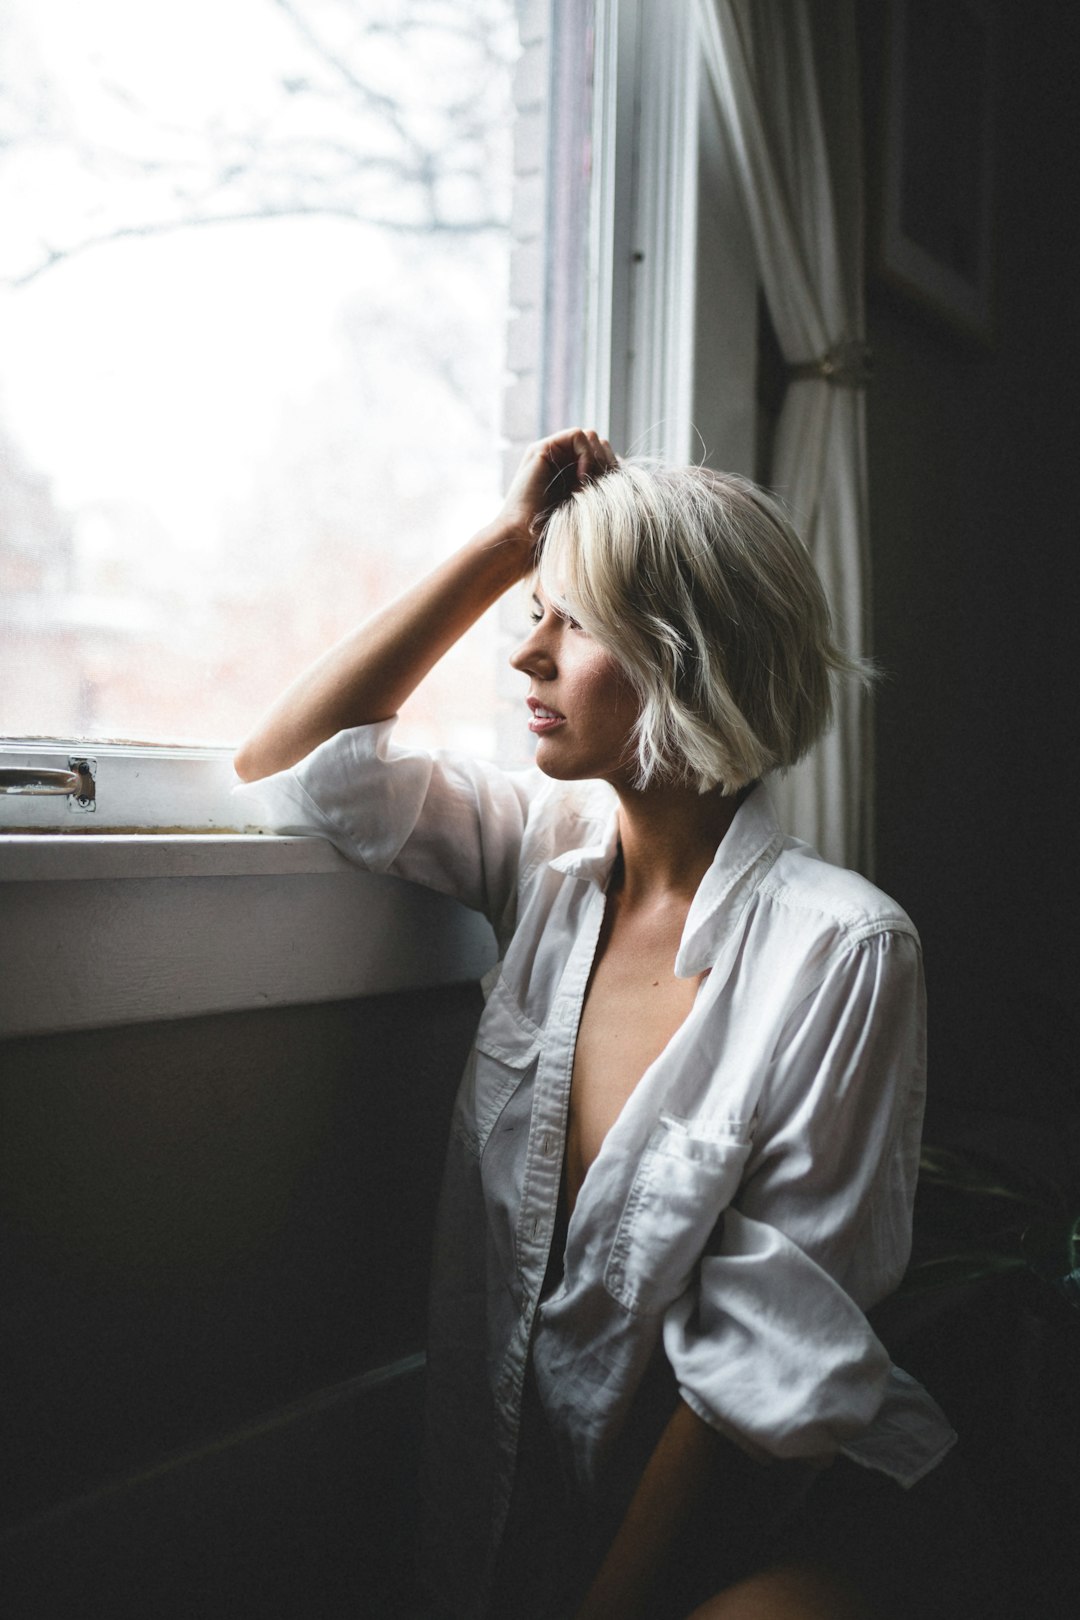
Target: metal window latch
pixel 78 782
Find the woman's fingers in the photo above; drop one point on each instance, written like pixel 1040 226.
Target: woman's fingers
pixel 592 461
pixel 552 470
pixel 576 455
pixel 584 449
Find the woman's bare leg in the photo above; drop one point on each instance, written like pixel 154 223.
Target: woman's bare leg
pixel 789 1592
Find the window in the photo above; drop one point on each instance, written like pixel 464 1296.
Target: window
pixel 255 279
pixel 263 290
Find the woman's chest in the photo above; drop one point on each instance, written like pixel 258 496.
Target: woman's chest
pixel 584 1045
pixel 632 1009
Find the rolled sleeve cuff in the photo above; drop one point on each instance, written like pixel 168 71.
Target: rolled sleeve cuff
pixel 771 1351
pixel 344 791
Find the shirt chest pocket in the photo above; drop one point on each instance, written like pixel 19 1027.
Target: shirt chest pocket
pixel 688 1175
pixel 504 1054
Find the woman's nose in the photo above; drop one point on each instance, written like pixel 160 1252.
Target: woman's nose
pixel 533 657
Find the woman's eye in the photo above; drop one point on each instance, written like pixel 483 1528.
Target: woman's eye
pixel 536 617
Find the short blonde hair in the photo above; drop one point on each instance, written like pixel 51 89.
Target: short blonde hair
pixel 704 594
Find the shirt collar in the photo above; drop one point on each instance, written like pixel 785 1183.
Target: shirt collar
pixel 593 861
pixel 745 853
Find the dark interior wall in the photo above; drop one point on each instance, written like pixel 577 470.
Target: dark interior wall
pixel 202 1223
pixel 976 529
pixel 975 535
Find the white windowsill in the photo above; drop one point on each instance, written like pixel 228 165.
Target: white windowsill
pixel 101 930
pixel 77 855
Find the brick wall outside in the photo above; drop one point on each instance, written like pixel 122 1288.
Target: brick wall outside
pixel 521 401
pixel 525 330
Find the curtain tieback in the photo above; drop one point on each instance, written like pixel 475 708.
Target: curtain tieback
pixel 848 364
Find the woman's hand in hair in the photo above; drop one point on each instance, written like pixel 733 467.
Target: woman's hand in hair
pixel 372 670
pixel 551 471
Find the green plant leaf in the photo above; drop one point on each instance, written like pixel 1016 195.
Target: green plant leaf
pixel 949 1270
pixel 979 1175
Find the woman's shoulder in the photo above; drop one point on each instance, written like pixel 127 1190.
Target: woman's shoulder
pixel 834 897
pixel 799 891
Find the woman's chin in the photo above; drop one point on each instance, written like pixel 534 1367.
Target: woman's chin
pixel 557 762
pixel 553 767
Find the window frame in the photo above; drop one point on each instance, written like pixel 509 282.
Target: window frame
pixel 640 317
pixel 137 787
pixel 637 381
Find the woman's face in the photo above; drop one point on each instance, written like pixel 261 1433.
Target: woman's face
pixel 582 707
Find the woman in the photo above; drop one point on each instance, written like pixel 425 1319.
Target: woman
pixel 684 1149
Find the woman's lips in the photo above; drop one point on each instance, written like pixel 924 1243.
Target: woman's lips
pixel 543 718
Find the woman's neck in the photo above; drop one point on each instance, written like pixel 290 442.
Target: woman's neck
pixel 668 837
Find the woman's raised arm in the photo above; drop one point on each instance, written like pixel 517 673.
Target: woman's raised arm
pixel 369 673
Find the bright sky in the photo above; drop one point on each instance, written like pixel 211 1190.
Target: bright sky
pixel 161 369
pixel 243 380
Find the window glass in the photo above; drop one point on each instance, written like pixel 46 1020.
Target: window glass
pixel 253 292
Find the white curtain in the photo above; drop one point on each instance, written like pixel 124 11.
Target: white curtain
pixel 785 73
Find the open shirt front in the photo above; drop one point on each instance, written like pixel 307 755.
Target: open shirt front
pixel 752 1200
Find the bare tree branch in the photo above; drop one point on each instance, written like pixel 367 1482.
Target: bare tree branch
pixel 190 222
pixel 379 159
pixel 382 104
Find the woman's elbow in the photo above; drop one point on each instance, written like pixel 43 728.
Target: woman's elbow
pixel 247 764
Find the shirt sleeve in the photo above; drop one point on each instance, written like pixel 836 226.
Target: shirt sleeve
pixel 772 1346
pixel 446 821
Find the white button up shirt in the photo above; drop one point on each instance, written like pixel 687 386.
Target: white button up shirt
pixel 752 1200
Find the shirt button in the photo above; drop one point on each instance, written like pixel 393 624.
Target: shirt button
pixel 537 1227
pixel 547 1145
